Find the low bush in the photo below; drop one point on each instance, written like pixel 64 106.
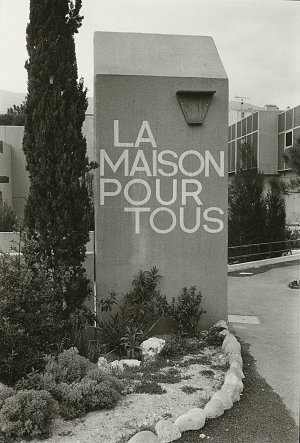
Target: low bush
pixel 146 387
pixel 68 367
pixel 76 383
pixel 5 392
pixel 28 414
pixel 100 377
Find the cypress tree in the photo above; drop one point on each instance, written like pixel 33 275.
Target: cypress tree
pixel 57 211
pixel 276 212
pixel 247 209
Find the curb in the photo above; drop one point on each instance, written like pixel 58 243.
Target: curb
pixel 168 430
pixel 295 257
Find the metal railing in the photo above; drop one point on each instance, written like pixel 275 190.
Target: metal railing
pixel 260 251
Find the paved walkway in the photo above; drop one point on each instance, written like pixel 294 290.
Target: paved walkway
pixel 275 342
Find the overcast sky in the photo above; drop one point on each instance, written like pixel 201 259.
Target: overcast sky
pixel 258 41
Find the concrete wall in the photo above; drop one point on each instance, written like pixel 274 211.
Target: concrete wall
pixel 132 86
pixel 268 132
pixel 5 173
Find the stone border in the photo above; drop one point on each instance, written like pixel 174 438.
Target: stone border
pixel 223 399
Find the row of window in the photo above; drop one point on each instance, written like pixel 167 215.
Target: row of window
pixel 243 127
pixel 234 148
pixel 289 119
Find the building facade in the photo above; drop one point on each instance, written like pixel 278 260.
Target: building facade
pixel 271 133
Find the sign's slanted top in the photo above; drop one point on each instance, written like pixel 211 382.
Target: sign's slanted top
pixel 122 53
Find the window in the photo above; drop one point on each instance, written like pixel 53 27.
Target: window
pixel 280 151
pixel 289 119
pixel 244 126
pixel 232 132
pixel 297 116
pixel 281 122
pixel 255 121
pixel 239 129
pixel 249 124
pixel 1 199
pixel 289 139
pixel 1 146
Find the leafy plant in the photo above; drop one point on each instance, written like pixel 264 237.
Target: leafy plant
pixel 131 341
pixel 186 311
pixel 138 311
pixel 28 414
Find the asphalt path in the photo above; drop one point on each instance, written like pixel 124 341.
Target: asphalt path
pixel 275 342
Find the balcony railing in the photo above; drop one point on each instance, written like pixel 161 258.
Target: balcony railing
pixel 260 251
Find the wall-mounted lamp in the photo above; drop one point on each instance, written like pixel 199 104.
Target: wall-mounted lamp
pixel 194 105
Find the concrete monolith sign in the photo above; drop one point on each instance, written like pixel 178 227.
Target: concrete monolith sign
pixel 161 188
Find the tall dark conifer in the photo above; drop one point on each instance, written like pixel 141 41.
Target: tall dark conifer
pixel 57 212
pixel 247 209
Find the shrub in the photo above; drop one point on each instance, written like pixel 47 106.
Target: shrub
pixel 100 377
pixel 28 414
pixel 186 311
pixel 68 367
pixel 173 346
pixel 147 387
pixel 99 395
pixel 78 385
pixel 5 392
pixel 78 398
pixel 70 398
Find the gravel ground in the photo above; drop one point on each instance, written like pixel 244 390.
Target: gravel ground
pixel 260 416
pixel 142 411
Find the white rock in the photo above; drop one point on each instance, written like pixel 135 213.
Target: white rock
pixel 192 421
pixel 224 332
pixel 167 431
pixel 224 397
pixel 144 437
pixel 231 378
pixel 214 408
pixel 130 363
pixel 236 369
pixel 103 364
pixel 152 347
pixel 235 357
pixel 232 390
pixel 229 337
pixel 221 324
pixel 237 384
pixel 117 365
pixel 232 346
pixel 202 435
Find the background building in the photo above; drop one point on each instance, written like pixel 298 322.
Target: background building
pixel 271 133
